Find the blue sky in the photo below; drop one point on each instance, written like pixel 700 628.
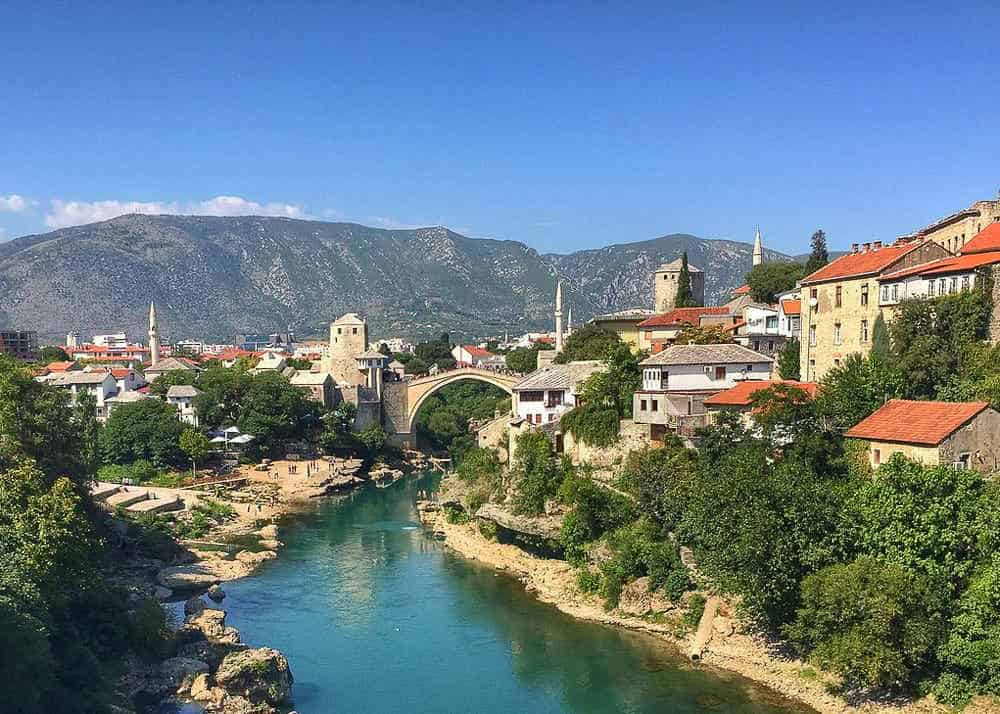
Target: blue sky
pixel 565 126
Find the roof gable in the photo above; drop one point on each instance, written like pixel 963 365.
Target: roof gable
pixel 915 422
pixel 683 316
pixel 858 264
pixel 987 240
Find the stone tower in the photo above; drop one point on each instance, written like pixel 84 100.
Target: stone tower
pixel 154 337
pixel 758 248
pixel 348 340
pixel 665 285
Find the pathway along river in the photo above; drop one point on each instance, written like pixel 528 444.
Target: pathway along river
pixel 376 616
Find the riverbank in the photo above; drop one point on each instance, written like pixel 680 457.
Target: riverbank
pixel 208 661
pixel 730 647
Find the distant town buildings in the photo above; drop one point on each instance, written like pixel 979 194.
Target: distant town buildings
pixel 20 344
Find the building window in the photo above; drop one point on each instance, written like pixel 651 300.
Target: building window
pixel 814 295
pixel 812 369
pixel 864 330
pixel 653 404
pixel 953 288
pixel 963 461
pixel 942 287
pixel 885 293
pixel 877 456
pixel 339 330
pixel 836 333
pixel 770 345
pixel 771 322
pixel 864 294
pixel 552 417
pixel 354 330
pixel 836 363
pixel 965 282
pixel 756 346
pixel 812 335
pixel 930 288
pixel 642 405
pixel 720 373
pixel 530 396
pixel 838 300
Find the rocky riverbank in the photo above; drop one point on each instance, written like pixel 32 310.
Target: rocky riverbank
pixel 207 661
pixel 730 645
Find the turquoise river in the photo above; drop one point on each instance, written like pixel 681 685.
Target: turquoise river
pixel 376 616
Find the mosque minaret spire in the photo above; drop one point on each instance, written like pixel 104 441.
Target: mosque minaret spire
pixel 154 336
pixel 558 317
pixel 758 248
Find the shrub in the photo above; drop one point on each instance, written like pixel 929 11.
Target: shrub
pixel 455 515
pixel 149 633
pixel 536 476
pixel 696 608
pixel 488 529
pixel 588 581
pixel 872 622
pixel 593 424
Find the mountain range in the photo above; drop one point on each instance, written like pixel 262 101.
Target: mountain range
pixel 215 277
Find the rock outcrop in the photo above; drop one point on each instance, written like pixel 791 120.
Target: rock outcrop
pixel 545 527
pixel 261 675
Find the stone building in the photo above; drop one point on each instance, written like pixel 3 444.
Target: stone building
pixel 840 301
pixel 665 285
pixel 954 231
pixel 348 340
pixel 963 434
pixel 624 323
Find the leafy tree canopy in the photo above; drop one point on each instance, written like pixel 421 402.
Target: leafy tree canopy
pixel 589 342
pixel 147 429
pixel 767 280
pixel 818 256
pixel 788 360
pixel 52 353
pixel 703 335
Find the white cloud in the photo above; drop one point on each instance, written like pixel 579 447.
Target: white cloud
pixel 74 213
pixel 14 203
pixel 393 224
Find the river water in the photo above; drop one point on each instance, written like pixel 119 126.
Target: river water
pixel 376 616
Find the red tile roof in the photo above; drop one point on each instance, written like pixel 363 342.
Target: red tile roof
pixel 120 373
pixel 740 394
pixel 963 263
pixel 911 422
pixel 985 241
pixel 59 366
pixel 741 290
pixel 477 351
pixel 682 316
pixel 791 307
pixel 735 326
pixel 858 264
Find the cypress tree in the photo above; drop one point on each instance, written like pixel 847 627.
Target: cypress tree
pixel 819 256
pixel 685 298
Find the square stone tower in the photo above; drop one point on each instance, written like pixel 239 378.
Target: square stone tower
pixel 348 340
pixel 665 285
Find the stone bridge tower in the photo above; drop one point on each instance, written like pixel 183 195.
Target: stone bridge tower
pixel 348 340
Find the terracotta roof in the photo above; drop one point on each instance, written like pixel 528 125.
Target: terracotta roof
pixel 741 290
pixel 477 351
pixel 120 373
pixel 682 316
pixel 858 264
pixel 984 241
pixel 739 395
pixel 963 263
pixel 59 366
pixel 735 326
pixel 791 307
pixel 912 422
pixel 914 270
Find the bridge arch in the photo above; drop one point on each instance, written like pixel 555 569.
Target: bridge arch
pixel 419 390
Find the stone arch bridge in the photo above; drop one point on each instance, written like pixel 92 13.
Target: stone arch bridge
pixel 402 400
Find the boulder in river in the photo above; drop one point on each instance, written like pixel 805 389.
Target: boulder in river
pixel 545 527
pixel 216 593
pixel 260 675
pixel 186 577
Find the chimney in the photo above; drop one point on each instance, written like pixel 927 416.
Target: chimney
pixel 854 248
pixel 865 247
pixel 877 244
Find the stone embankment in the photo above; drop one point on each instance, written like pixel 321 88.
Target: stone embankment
pixel 722 640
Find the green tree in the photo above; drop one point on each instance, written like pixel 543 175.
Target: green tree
pixel 85 417
pixel 147 429
pixel 614 385
pixel 536 476
pixel 685 296
pixel 383 348
pixel 435 352
pixel 274 411
pixel 196 445
pixel 588 343
pixel 661 480
pixel 767 280
pixel 874 623
pixel 522 359
pixel 51 353
pixel 818 257
pixel 703 335
pixel 857 388
pixel 177 377
pixel 927 519
pixel 224 392
pixel 788 360
pixel 881 348
pixel 373 437
pixel 36 422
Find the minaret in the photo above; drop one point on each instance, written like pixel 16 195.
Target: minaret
pixel 558 316
pixel 154 337
pixel 569 323
pixel 758 248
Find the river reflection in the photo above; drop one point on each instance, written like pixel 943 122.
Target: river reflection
pixel 375 616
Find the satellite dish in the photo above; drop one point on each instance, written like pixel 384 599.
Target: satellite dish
pixel 813 302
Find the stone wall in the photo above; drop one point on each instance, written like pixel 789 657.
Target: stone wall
pixel 980 439
pixel 994 331
pixel 394 407
pixel 631 437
